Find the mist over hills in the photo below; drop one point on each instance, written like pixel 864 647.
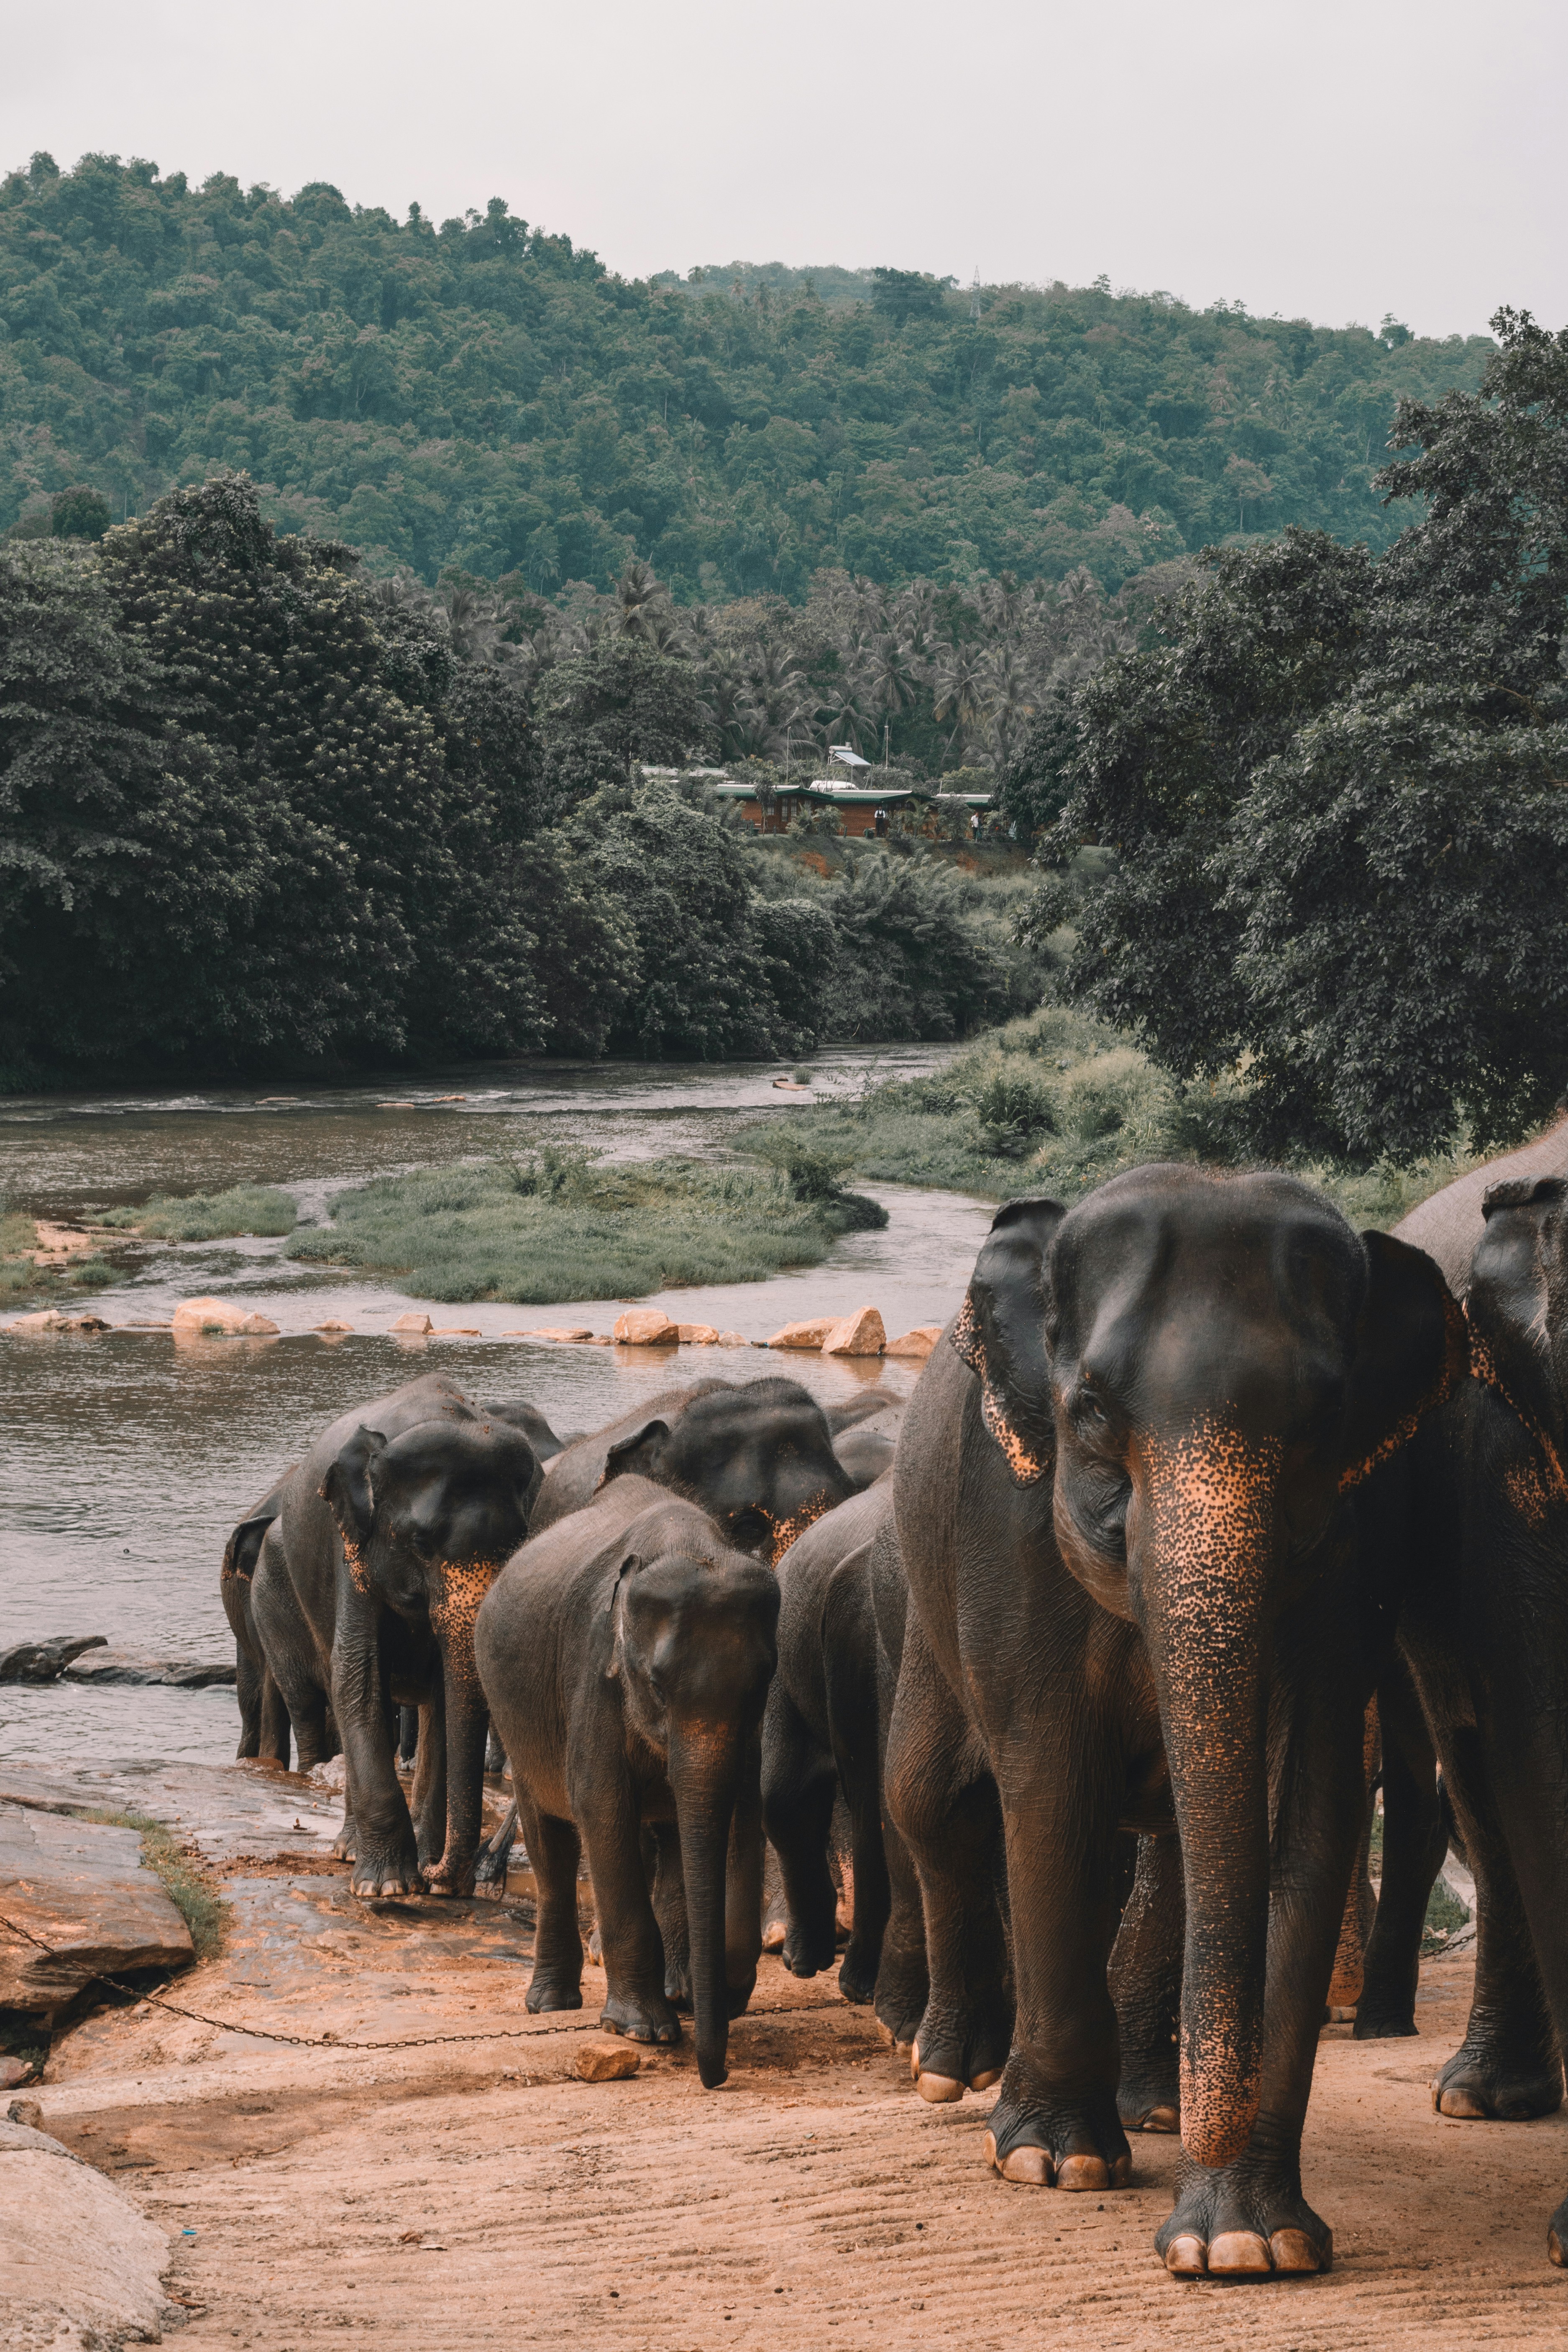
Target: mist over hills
pixel 481 395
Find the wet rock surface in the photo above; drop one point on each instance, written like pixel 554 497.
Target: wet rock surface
pixel 77 1902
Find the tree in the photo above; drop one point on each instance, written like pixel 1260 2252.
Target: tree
pixel 1338 796
pixel 616 705
pixel 79 513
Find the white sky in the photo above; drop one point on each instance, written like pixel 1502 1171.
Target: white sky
pixel 1336 158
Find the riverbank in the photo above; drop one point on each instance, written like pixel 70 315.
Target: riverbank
pixel 444 2197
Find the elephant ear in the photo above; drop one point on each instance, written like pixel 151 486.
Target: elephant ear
pixel 346 1489
pixel 627 1564
pixel 639 1455
pixel 1000 1332
pixel 1513 1310
pixel 1413 1352
pixel 244 1549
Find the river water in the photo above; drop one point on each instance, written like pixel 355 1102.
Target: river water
pixel 128 1457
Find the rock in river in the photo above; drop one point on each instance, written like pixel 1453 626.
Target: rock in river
pixel 45 1662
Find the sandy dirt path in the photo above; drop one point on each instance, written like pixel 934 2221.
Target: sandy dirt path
pixel 445 2198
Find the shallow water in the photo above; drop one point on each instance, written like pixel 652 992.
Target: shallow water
pixel 128 1457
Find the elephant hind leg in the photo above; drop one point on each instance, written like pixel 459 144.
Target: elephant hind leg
pixel 1146 1987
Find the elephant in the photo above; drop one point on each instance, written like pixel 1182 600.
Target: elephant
pixel 757 1456
pixel 390 1533
pixel 1137 1603
pixel 263 1716
pixel 1448 1224
pixel 822 1738
pixel 625 1654
pixel 1484 1632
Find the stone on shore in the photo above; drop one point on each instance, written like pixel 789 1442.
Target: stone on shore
pixel 918 1342
pixel 732 1339
pixel 698 1335
pixel 605 2060
pixel 82 2265
pixel 646 1327
pixel 860 1334
pixel 45 1661
pixel 221 1318
pixel 413 1323
pixel 81 1904
pixel 810 1333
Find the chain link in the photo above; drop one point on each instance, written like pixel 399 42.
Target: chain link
pixel 416 2041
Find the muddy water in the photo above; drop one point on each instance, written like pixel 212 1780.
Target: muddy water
pixel 128 1457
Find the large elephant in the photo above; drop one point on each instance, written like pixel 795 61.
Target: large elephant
pixel 757 1456
pixel 1485 1632
pixel 390 1531
pixel 625 1654
pixel 1137 1603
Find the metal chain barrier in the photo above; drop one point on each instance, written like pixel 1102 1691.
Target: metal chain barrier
pixel 416 2041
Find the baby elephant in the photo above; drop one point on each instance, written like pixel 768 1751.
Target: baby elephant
pixel 625 1654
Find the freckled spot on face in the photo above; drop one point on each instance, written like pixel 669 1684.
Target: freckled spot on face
pixel 786 1531
pixel 359 1574
pixel 1531 1486
pixel 1026 1464
pixel 1457 1350
pixel 456 1590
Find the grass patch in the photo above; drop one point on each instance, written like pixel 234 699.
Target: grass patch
pixel 23 1284
pixel 559 1225
pixel 208 1216
pixel 1055 1103
pixel 189 1887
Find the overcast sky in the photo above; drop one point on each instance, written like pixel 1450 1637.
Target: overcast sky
pixel 1336 158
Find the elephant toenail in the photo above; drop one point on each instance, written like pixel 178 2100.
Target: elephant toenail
pixel 938 2088
pixel 1162 2119
pixel 1083 2172
pixel 1239 2253
pixel 982 2080
pixel 1459 2103
pixel 1187 2257
pixel 1294 2252
pixel 1030 2167
pixel 1554 2252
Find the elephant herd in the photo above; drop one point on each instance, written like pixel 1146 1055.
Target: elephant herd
pixel 1204 1511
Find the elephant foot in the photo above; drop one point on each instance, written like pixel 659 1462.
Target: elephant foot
pixel 1148 2099
pixel 1480 2083
pixel 677 1989
pixel 902 1991
pixel 551 1989
pixel 1557 2237
pixel 387 1869
pixel 1377 2022
pixel 856 1976
pixel 640 2021
pixel 1075 2145
pixel 347 1839
pixel 1242 2222
pixel 808 1950
pixel 958 2052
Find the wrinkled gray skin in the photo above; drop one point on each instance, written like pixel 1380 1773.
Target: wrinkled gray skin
pixel 822 1737
pixel 757 1456
pixel 1450 1225
pixel 391 1531
pixel 626 1655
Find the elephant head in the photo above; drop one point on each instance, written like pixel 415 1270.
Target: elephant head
pixel 757 1458
pixel 1204 1366
pixel 694 1646
pixel 427 1521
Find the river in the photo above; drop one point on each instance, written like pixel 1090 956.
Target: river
pixel 128 1457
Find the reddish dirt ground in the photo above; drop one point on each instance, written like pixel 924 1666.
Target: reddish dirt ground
pixel 439 2199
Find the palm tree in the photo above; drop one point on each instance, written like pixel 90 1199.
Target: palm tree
pixel 958 678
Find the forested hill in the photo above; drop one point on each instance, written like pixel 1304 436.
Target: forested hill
pixel 483 396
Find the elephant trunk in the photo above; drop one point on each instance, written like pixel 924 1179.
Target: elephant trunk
pixel 455 1604
pixel 705 1773
pixel 1206 1543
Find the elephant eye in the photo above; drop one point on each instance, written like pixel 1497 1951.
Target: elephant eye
pixel 1088 1408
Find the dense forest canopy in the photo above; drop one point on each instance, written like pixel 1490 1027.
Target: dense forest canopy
pixel 481 395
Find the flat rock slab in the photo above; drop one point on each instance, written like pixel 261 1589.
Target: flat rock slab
pixel 81 1890
pixel 111 1665
pixel 45 1662
pixel 82 2266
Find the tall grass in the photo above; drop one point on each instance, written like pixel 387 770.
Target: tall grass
pixel 1056 1102
pixel 208 1216
pixel 555 1225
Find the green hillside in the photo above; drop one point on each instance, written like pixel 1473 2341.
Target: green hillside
pixel 484 396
